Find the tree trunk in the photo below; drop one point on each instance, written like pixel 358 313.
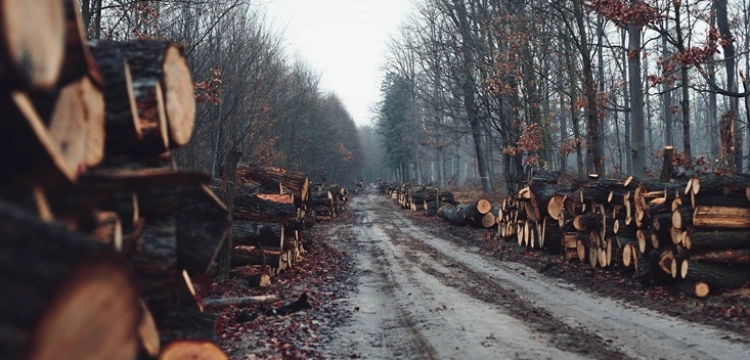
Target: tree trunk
pixel 593 127
pixel 228 189
pixel 636 99
pixel 467 88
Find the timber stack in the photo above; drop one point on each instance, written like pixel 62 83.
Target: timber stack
pixel 271 219
pixel 689 232
pixel 102 232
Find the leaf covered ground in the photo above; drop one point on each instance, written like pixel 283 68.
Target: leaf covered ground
pixel 325 275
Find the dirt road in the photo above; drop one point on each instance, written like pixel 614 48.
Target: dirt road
pixel 425 297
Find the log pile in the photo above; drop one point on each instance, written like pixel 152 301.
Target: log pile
pixel 101 232
pixel 693 233
pixel 274 209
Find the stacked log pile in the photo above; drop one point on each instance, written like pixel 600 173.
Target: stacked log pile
pixel 693 233
pixel 101 233
pixel 269 228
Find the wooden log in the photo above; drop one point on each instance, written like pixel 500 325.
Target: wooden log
pixel 43 161
pixel 192 349
pixel 587 222
pixel 298 182
pixel 264 208
pixel 74 115
pixel 667 170
pixel 712 184
pixel 721 218
pixel 552 235
pixel 453 214
pixel 148 333
pixel 716 240
pixel 250 256
pixel 201 226
pixel 155 262
pixel 721 200
pixel 251 233
pixel 541 194
pixel 56 286
pixel 165 63
pixel 107 229
pixel 698 289
pixel 33 43
pixel 78 61
pixel 682 218
pixel 728 256
pixel 717 275
pixel 122 125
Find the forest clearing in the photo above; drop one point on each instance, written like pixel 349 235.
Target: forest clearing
pixel 504 179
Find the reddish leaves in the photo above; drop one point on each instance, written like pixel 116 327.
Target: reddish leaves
pixel 639 14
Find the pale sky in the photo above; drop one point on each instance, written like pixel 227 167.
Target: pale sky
pixel 343 40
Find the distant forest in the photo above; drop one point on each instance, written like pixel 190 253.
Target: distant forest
pixel 477 91
pixel 253 99
pixel 492 90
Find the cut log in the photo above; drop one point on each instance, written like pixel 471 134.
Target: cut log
pixel 155 262
pixel 716 240
pixel 250 233
pixel 717 275
pixel 165 63
pixel 729 257
pixel 721 218
pixel 713 184
pixel 78 61
pixel 108 229
pixel 587 222
pixel 56 286
pixel 192 349
pixel 33 43
pixel 298 182
pixel 148 333
pixel 122 126
pixel 453 214
pixel 201 225
pixel 264 208
pixel 667 169
pixel 23 131
pixel 682 218
pixel 698 289
pixel 250 256
pixel 74 116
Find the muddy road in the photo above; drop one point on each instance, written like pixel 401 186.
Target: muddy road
pixel 426 297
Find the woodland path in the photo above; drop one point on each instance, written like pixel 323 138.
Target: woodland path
pixel 427 297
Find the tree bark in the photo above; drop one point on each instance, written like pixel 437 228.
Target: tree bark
pixel 636 98
pixel 56 286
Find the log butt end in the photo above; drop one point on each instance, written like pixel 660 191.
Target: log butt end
pixel 197 350
pixel 180 101
pixel 97 301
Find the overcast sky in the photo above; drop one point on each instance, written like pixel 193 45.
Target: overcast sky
pixel 344 40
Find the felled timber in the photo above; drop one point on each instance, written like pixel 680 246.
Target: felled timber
pixel 264 208
pixel 201 227
pixel 56 286
pixel 251 233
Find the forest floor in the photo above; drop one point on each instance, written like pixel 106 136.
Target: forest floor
pixel 392 284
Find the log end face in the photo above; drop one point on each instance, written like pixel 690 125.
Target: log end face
pixel 74 317
pixel 179 96
pixel 34 33
pixel 199 350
